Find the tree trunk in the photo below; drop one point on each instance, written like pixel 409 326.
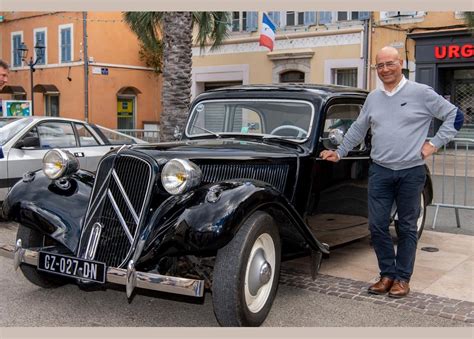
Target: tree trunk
pixel 177 65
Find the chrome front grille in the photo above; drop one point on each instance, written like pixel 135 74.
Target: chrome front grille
pixel 121 191
pixel 273 174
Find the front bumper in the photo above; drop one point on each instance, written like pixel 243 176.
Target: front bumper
pixel 128 277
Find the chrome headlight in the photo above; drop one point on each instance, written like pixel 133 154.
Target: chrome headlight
pixel 58 163
pixel 179 176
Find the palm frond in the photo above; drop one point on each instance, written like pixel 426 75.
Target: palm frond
pixel 211 27
pixel 146 26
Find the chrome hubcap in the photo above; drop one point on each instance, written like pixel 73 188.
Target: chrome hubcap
pixel 259 273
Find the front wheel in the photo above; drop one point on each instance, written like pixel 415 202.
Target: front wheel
pixel 246 273
pixel 31 238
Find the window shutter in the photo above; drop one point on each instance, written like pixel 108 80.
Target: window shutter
pixel 252 21
pixel 325 17
pixel 310 18
pixel 63 47
pixel 275 17
pixel 364 15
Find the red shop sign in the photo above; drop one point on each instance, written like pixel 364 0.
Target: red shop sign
pixel 454 51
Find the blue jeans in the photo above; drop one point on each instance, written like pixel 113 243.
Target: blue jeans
pixel 405 188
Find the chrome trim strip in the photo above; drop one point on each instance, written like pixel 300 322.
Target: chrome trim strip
pixel 93 241
pixel 125 197
pixel 149 281
pixel 119 215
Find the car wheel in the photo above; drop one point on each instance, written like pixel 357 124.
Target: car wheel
pixel 246 273
pixel 420 222
pixel 31 238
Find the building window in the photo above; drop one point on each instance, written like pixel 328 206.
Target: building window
pixel 294 18
pixel 292 76
pixel 344 16
pixel 51 102
pixel 19 97
pixel 239 21
pixel 66 43
pixel 40 36
pixel 345 76
pixel 244 21
pixel 16 42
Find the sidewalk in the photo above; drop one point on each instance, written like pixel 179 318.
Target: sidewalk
pixel 447 273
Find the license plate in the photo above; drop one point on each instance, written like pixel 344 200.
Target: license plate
pixel 72 267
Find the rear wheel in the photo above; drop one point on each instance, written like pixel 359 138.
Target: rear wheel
pixel 246 273
pixel 31 238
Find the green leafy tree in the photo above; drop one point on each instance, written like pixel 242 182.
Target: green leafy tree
pixel 166 45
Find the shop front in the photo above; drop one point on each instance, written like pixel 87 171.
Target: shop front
pixel 445 61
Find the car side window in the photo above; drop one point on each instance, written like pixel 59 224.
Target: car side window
pixel 85 136
pixel 56 134
pixel 339 118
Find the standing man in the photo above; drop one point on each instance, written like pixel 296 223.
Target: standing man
pixel 399 116
pixel 3 73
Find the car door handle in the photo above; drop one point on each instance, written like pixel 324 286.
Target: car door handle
pixel 79 154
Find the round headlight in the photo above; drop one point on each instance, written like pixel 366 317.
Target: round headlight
pixel 58 163
pixel 179 176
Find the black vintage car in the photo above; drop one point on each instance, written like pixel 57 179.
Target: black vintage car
pixel 218 210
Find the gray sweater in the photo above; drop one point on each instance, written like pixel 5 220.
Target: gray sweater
pixel 400 124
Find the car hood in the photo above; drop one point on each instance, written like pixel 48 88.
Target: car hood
pixel 220 148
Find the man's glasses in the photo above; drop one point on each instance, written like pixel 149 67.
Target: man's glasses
pixel 388 64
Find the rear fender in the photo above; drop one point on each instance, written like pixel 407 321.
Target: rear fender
pixel 208 218
pixel 42 204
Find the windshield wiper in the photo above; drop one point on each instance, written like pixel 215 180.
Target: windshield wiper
pixel 206 130
pixel 280 138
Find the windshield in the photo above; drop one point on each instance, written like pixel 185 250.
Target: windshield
pixel 10 127
pixel 116 138
pixel 289 119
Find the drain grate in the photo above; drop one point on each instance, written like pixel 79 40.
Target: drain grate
pixel 430 249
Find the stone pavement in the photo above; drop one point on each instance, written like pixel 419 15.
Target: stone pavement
pixel 442 283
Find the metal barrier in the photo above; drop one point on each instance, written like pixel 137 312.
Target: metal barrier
pixel 147 135
pixel 455 166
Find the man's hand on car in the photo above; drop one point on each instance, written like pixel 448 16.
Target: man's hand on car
pixel 329 155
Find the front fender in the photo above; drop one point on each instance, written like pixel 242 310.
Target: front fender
pixel 40 203
pixel 208 218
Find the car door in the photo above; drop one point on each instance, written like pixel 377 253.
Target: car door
pixel 41 138
pixel 339 212
pixel 92 147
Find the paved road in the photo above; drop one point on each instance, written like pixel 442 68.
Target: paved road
pixel 23 304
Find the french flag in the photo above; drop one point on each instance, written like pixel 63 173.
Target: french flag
pixel 267 34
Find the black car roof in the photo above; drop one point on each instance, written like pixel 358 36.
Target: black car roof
pixel 322 91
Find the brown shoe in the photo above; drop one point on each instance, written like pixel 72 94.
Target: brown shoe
pixel 382 286
pixel 399 289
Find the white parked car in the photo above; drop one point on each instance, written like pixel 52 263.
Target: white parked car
pixel 25 140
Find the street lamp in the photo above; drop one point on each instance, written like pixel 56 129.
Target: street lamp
pixel 23 52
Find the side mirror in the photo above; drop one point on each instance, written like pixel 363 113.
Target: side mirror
pixel 336 136
pixel 28 142
pixel 333 139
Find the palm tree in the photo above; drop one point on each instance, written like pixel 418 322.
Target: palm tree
pixel 172 33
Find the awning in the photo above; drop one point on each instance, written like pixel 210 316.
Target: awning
pixel 128 90
pixel 15 90
pixel 46 89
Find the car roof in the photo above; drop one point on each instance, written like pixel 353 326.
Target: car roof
pixel 308 90
pixel 292 87
pixel 37 117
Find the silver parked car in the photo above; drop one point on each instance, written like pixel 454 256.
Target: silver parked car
pixel 24 141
